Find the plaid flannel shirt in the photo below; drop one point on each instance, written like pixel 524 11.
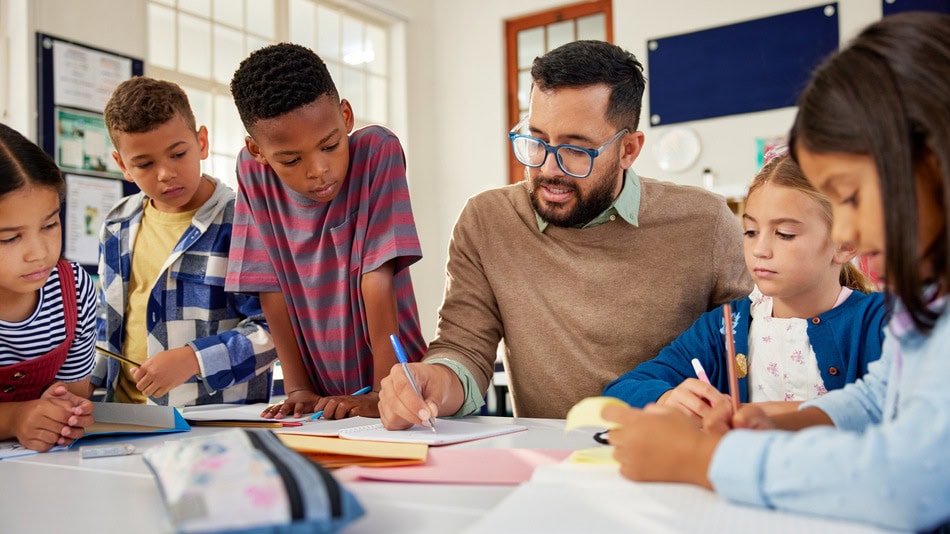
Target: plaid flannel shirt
pixel 187 306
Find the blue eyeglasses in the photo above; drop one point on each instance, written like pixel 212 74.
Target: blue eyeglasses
pixel 576 161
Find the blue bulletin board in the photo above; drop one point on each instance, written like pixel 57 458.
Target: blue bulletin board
pixel 890 7
pixel 740 68
pixel 73 83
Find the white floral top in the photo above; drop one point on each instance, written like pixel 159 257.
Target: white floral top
pixel 782 363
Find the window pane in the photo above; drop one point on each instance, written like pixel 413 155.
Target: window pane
pixel 194 46
pixel 228 134
pixel 201 106
pixel 560 33
pixel 198 7
pixel 230 12
pixel 353 45
pixel 377 108
pixel 302 15
pixel 253 43
pixel 354 90
pixel 228 52
pixel 328 33
pixel 592 27
pixel 161 36
pixel 530 46
pixel 260 17
pixel 524 89
pixel 336 74
pixel 222 168
pixel 166 2
pixel 377 49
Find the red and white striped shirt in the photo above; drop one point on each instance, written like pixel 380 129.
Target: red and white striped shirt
pixel 315 253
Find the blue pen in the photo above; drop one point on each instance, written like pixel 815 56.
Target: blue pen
pixel 404 362
pixel 367 389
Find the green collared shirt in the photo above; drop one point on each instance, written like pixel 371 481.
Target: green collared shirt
pixel 626 205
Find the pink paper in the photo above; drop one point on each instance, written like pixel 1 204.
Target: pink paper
pixel 465 466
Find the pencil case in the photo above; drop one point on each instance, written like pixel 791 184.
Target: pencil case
pixel 246 480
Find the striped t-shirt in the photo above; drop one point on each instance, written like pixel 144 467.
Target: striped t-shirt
pixel 45 328
pixel 315 253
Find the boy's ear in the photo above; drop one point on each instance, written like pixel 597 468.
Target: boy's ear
pixel 118 161
pixel 844 254
pixel 202 136
pixel 255 150
pixel 348 118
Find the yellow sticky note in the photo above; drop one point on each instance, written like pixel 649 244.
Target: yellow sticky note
pixel 586 413
pixel 594 455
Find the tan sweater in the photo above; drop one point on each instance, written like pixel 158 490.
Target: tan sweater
pixel 579 307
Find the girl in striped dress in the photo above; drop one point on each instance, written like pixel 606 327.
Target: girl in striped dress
pixel 47 306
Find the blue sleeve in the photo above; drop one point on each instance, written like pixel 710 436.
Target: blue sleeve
pixel 893 473
pixel 239 354
pixel 651 379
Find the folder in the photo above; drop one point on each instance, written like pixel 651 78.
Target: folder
pixel 334 452
pixel 119 419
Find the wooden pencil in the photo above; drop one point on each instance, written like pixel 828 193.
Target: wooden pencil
pixel 730 356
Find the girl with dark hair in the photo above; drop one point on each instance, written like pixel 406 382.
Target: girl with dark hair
pixel 47 306
pixel 872 135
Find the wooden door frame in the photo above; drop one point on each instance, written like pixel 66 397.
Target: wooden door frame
pixel 534 20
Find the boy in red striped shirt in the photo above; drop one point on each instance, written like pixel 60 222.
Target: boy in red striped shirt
pixel 323 232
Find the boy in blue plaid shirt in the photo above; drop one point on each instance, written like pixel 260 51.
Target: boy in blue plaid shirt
pixel 162 262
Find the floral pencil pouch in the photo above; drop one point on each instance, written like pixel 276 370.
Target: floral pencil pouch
pixel 246 480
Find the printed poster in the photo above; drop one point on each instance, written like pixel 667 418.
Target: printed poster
pixel 88 200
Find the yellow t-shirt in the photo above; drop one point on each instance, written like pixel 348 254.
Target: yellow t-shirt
pixel 158 233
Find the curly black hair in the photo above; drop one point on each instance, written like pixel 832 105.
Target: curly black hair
pixel 277 79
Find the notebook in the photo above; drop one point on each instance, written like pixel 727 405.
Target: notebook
pixel 246 415
pixel 448 431
pixel 334 452
pixel 114 419
pixel 570 497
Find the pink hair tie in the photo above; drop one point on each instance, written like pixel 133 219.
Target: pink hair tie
pixel 774 152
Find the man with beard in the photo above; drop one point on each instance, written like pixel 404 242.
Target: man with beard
pixel 584 269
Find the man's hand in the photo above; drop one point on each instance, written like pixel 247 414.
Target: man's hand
pixel 400 407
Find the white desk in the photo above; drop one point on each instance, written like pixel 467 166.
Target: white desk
pixel 62 492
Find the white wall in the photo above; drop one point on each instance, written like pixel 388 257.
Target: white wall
pixel 455 127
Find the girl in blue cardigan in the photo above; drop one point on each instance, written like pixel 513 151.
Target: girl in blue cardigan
pixel 810 325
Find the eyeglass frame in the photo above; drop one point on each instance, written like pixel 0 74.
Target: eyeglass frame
pixel 591 152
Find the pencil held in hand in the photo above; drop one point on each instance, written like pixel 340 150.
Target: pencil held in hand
pixel 404 362
pixel 730 356
pixel 119 357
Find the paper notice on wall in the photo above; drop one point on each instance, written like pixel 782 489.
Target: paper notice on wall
pixel 85 78
pixel 88 200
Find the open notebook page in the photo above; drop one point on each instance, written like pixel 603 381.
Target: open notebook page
pixel 595 498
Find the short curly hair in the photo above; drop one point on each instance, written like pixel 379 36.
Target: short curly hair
pixel 141 104
pixel 277 79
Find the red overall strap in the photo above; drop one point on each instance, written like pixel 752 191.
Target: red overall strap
pixel 28 380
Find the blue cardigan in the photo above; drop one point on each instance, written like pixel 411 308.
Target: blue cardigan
pixel 845 339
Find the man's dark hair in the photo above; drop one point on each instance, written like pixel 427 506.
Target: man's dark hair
pixel 278 79
pixel 582 63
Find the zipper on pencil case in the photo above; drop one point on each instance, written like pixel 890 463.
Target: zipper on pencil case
pixel 334 494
